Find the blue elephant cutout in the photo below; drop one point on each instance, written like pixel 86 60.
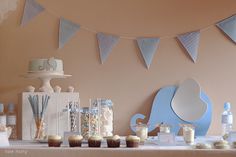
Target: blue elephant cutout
pixel 162 112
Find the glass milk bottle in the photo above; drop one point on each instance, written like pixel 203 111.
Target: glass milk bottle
pixel 226 120
pixel 2 115
pixel 11 120
pixel 106 118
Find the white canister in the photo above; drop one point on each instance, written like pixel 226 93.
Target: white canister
pixel 188 134
pixel 142 131
pixel 164 128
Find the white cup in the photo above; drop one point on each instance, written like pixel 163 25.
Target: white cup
pixel 142 132
pixel 188 133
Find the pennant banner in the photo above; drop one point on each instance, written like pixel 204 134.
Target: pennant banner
pixel 228 26
pixel 190 42
pixel 148 47
pixel 32 8
pixel 66 31
pixel 106 43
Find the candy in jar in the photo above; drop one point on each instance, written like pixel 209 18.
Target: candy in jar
pixel 85 122
pixel 106 118
pixel 164 128
pixel 94 121
pixel 188 133
pixel 142 131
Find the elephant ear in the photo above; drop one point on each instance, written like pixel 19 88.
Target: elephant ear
pixel 52 63
pixel 187 103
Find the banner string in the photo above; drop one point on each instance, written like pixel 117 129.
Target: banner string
pixel 129 37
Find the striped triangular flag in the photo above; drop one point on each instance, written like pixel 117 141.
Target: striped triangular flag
pixel 32 9
pixel 66 31
pixel 228 26
pixel 190 42
pixel 148 47
pixel 106 43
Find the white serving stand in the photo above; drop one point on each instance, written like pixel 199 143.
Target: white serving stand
pixel 45 78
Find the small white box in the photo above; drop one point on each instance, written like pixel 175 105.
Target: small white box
pixel 166 139
pixel 4 139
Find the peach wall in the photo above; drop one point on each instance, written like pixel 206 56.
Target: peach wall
pixel 123 77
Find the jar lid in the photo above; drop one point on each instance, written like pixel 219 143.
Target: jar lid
pixel 106 102
pixel 187 125
pixel 11 107
pixel 1 107
pixel 84 109
pixel 141 125
pixel 165 125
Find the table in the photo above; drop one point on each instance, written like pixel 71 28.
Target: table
pixel 150 149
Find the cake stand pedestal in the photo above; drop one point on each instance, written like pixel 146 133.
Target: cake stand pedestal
pixel 45 79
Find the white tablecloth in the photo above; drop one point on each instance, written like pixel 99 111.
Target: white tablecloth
pixel 149 149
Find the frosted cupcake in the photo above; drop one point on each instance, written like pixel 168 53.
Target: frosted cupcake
pixel 234 144
pixel 222 144
pixel 132 141
pixel 113 141
pixel 203 146
pixel 94 141
pixel 75 140
pixel 54 141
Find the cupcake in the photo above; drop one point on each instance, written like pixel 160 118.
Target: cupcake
pixel 54 141
pixel 94 141
pixel 113 141
pixel 234 144
pixel 132 141
pixel 75 140
pixel 203 146
pixel 222 144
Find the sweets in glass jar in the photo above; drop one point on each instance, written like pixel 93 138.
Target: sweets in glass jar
pixel 84 121
pixel 188 133
pixel 106 118
pixel 142 132
pixel 94 122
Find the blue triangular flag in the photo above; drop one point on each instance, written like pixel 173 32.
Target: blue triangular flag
pixel 66 31
pixel 32 8
pixel 148 47
pixel 228 26
pixel 106 42
pixel 190 42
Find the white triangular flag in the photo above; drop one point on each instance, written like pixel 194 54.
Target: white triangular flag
pixel 228 26
pixel 106 43
pixel 190 42
pixel 66 31
pixel 32 8
pixel 148 47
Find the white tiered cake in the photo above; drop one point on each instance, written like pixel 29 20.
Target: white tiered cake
pixel 50 65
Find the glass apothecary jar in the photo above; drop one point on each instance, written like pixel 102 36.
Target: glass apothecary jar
pixel 142 131
pixel 106 117
pixel 94 120
pixel 165 128
pixel 39 130
pixel 84 122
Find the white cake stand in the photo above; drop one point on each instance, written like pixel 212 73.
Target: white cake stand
pixel 45 78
